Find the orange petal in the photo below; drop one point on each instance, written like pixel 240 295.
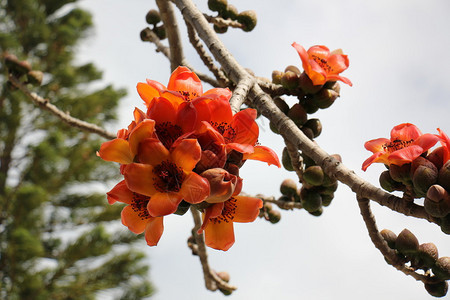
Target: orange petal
pixel 120 193
pixel 186 154
pixel 139 115
pixel 338 63
pixel 247 209
pixel 139 178
pixel 220 93
pixel 174 97
pixel 194 188
pixel 340 78
pixel 219 235
pixel 243 148
pixel 117 150
pixel 405 155
pixel 147 92
pixel 187 117
pixel 426 141
pixel 405 132
pixel 184 80
pixel 376 157
pixel 142 131
pixel 211 212
pixel 245 128
pixel 163 204
pixel 154 231
pixel 132 220
pixel 263 153
pixel 152 152
pixel 319 51
pixel 162 110
pixel 376 145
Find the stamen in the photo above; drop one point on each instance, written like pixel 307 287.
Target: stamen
pixel 228 212
pixel 188 96
pixel 168 133
pixel 225 130
pixel 169 177
pixel 323 63
pixel 139 205
pixel 396 144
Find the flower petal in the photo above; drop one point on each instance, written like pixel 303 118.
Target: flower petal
pixel 219 93
pixel 154 231
pixel 117 150
pixel 405 132
pixel 376 145
pixel 245 128
pixel 247 209
pixel 186 154
pixel 405 155
pixel 162 110
pixel 194 188
pixel 376 157
pixel 211 212
pixel 152 152
pixel 142 131
pixel 426 141
pixel 263 153
pixel 139 178
pixel 120 192
pixel 338 63
pixel 163 204
pixel 147 92
pixel 219 235
pixel 187 117
pixel 132 220
pixel 184 80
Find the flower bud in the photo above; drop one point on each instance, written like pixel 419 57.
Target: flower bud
pixel 230 12
pixel 308 132
pixel 293 69
pixel 313 175
pixel 35 77
pixel 439 289
pixel 401 173
pixel 317 213
pixel 160 32
pixel 333 85
pixel 152 17
pixel 442 268
pixel 311 200
pixel 423 178
pixel 307 161
pixel 220 29
pixel 444 176
pixel 217 5
pixel 274 216
pixel 445 224
pixel 289 80
pixel 276 76
pixel 298 114
pixel 437 157
pixel 288 187
pixel 389 237
pixel 406 242
pixel 281 104
pixel 286 160
pixel 222 185
pixel 325 98
pixel 16 66
pixel 327 198
pixel 273 127
pixel 389 184
pixel 315 125
pixel 421 161
pixel 247 19
pixel 306 84
pixel 437 201
pixel 428 254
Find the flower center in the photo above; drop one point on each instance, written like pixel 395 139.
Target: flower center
pixel 139 205
pixel 396 144
pixel 169 177
pixel 225 130
pixel 188 96
pixel 168 133
pixel 228 212
pixel 323 63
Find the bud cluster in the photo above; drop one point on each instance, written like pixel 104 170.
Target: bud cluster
pixel 421 257
pixel 154 19
pixel 22 70
pixel 246 18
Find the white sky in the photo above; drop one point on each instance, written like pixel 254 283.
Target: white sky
pixel 399 59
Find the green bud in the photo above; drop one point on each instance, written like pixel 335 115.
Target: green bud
pixel 444 176
pixel 325 98
pixel 406 242
pixel 247 19
pixel 297 114
pixel 276 76
pixel 273 127
pixel 442 268
pixel 313 175
pixel 333 85
pixel 35 77
pixel 288 187
pixel 311 200
pixel 423 178
pixel 268 206
pixel 281 104
pixel 220 29
pixel 153 17
pixel 439 289
pixel 389 184
pixel 308 132
pixel 389 237
pixel 401 173
pixel 437 201
pixel 160 32
pixel 421 161
pixel 293 69
pixel 306 84
pixel 286 160
pixel 230 13
pixel 329 189
pixel 218 5
pixel 327 198
pixel 317 213
pixel 315 125
pixel 274 216
pixel 308 103
pixel 289 80
pixel 226 292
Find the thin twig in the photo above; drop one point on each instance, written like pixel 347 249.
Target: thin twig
pixel 288 205
pixel 296 159
pixel 212 281
pixel 45 104
pixel 221 22
pixel 381 244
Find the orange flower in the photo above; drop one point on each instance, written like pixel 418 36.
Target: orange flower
pixel 184 86
pixel 321 65
pixel 135 215
pixel 218 220
pixel 166 176
pixel 406 144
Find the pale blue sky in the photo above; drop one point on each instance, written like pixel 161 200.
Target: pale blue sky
pixel 399 64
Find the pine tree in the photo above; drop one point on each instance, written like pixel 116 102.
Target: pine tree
pixel 57 235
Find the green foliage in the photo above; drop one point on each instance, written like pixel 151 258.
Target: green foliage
pixel 56 238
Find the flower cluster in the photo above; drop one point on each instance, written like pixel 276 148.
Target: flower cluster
pixel 414 169
pixel 186 149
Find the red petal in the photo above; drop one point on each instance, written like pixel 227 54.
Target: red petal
pixel 162 110
pixel 187 117
pixel 219 235
pixel 162 204
pixel 338 63
pixel 194 188
pixel 142 131
pixel 426 141
pixel 120 193
pixel 132 220
pixel 376 157
pixel 117 150
pixel 147 92
pixel 247 209
pixel 243 148
pixel 152 152
pixel 220 93
pixel 405 155
pixel 263 153
pixel 154 231
pixel 245 128
pixel 186 154
pixel 376 145
pixel 139 178
pixel 405 132
pixel 184 80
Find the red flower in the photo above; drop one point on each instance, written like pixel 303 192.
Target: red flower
pixel 321 65
pixel 135 215
pixel 445 142
pixel 219 218
pixel 166 176
pixel 406 144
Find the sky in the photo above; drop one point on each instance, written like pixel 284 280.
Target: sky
pixel 399 62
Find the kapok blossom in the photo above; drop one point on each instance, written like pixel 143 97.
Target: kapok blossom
pixel 218 220
pixel 445 142
pixel 406 144
pixel 321 65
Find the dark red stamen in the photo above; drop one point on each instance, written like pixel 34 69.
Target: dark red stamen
pixel 188 96
pixel 323 63
pixel 169 177
pixel 225 130
pixel 396 144
pixel 228 212
pixel 168 133
pixel 139 205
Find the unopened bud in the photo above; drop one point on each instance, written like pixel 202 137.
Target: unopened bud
pixel 217 5
pixel 220 29
pixel 407 242
pixel 153 17
pixel 308 104
pixel 401 173
pixel 306 84
pixel 298 114
pixel 288 187
pixel 281 104
pixel 276 76
pixel 437 157
pixel 444 176
pixel 325 98
pixel 293 69
pixel 247 19
pixel 389 184
pixel 423 178
pixel 428 254
pixel 225 276
pixel 35 77
pixel 311 200
pixel 389 237
pixel 160 32
pixel 439 289
pixel 230 12
pixel 289 80
pixel 437 201
pixel 286 160
pixel 442 268
pixel 315 125
pixel 313 175
pixel 274 216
